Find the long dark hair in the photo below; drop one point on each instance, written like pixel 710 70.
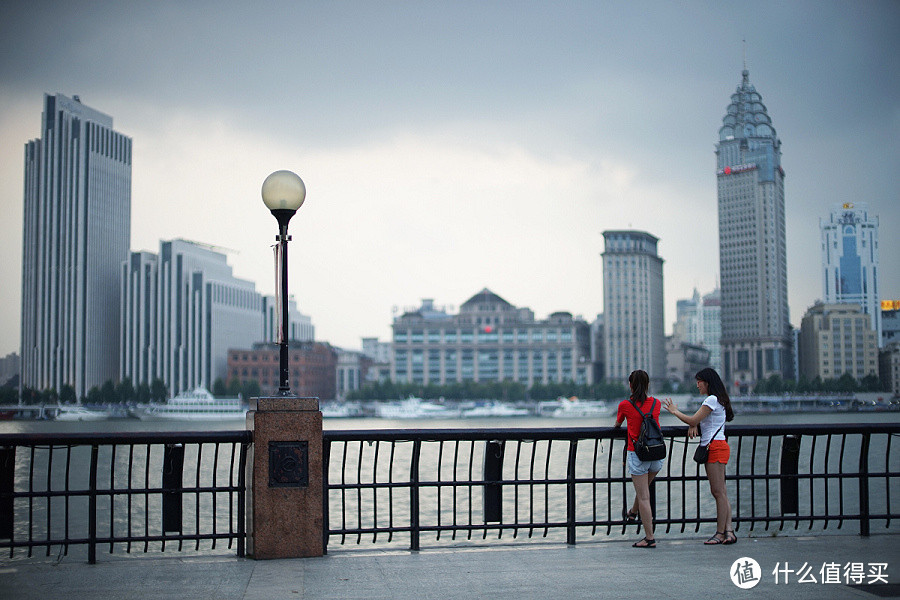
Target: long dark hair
pixel 717 389
pixel 640 383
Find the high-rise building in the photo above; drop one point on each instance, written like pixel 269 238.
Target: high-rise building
pixel 634 336
pixel 77 232
pixel 182 311
pixel 850 259
pixel 699 321
pixel 837 339
pixel 756 330
pixel 490 340
pixel 890 322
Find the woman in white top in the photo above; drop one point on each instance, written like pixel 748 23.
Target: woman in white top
pixel 710 420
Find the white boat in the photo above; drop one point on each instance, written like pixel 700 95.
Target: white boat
pixel 413 408
pixel 79 413
pixel 495 409
pixel 194 405
pixel 335 410
pixel 574 408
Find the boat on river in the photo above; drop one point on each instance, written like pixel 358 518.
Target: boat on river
pixel 77 412
pixel 574 408
pixel 494 408
pixel 413 408
pixel 337 410
pixel 194 405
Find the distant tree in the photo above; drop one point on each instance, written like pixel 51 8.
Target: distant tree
pixel 142 394
pixel 774 384
pixel 686 387
pixel 94 396
pixel 219 390
pixel 817 385
pixel 158 390
pixel 33 396
pixel 871 383
pixel 250 389
pixel 846 383
pixel 108 393
pixel 67 394
pixel 9 395
pixel 235 387
pixel 125 391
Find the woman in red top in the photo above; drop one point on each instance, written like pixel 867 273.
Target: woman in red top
pixel 642 472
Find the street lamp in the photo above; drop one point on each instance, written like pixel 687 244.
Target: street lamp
pixel 283 193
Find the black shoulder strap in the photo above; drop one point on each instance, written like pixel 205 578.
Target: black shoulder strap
pixel 640 412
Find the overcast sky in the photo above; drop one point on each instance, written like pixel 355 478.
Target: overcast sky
pixel 452 146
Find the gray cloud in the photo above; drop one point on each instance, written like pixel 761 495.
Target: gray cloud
pixel 641 84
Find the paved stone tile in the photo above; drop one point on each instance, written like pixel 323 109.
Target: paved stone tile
pixel 597 570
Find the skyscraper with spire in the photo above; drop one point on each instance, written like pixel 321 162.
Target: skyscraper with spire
pixel 77 233
pixel 756 330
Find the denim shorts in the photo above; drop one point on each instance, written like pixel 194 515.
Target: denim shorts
pixel 642 467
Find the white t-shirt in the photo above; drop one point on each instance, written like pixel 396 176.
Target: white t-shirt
pixel 713 421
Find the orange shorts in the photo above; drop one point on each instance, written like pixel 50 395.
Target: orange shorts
pixel 719 452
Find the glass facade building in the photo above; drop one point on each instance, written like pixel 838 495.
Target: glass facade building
pixel 490 340
pixel 756 329
pixel 77 232
pixel 850 260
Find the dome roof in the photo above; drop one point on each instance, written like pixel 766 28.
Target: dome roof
pixel 746 116
pixel 482 298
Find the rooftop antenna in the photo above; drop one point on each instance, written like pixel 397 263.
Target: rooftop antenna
pixel 745 54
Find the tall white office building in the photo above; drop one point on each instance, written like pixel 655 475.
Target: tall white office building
pixel 850 260
pixel 756 329
pixel 634 336
pixel 698 320
pixel 77 232
pixel 182 311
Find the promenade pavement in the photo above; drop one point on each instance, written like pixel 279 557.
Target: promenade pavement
pixel 606 568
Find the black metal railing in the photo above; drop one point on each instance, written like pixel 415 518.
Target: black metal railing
pixel 395 486
pixel 144 491
pixel 186 491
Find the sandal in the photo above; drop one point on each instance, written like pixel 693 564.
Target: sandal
pixel 630 517
pixel 646 543
pixel 730 538
pixel 713 541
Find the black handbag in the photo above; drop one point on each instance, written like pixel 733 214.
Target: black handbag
pixel 701 454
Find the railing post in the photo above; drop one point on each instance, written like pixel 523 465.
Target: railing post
pixel 7 487
pixel 285 504
pixel 493 490
pixel 790 464
pixel 326 461
pixel 92 506
pixel 864 485
pixel 570 493
pixel 414 496
pixel 173 484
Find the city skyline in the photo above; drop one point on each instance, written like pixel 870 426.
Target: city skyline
pixel 452 148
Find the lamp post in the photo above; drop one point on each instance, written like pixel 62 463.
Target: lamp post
pixel 283 193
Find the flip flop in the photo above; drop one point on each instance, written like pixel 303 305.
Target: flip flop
pixel 647 543
pixel 630 517
pixel 730 538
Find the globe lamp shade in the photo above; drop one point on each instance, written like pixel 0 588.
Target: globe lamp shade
pixel 283 191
